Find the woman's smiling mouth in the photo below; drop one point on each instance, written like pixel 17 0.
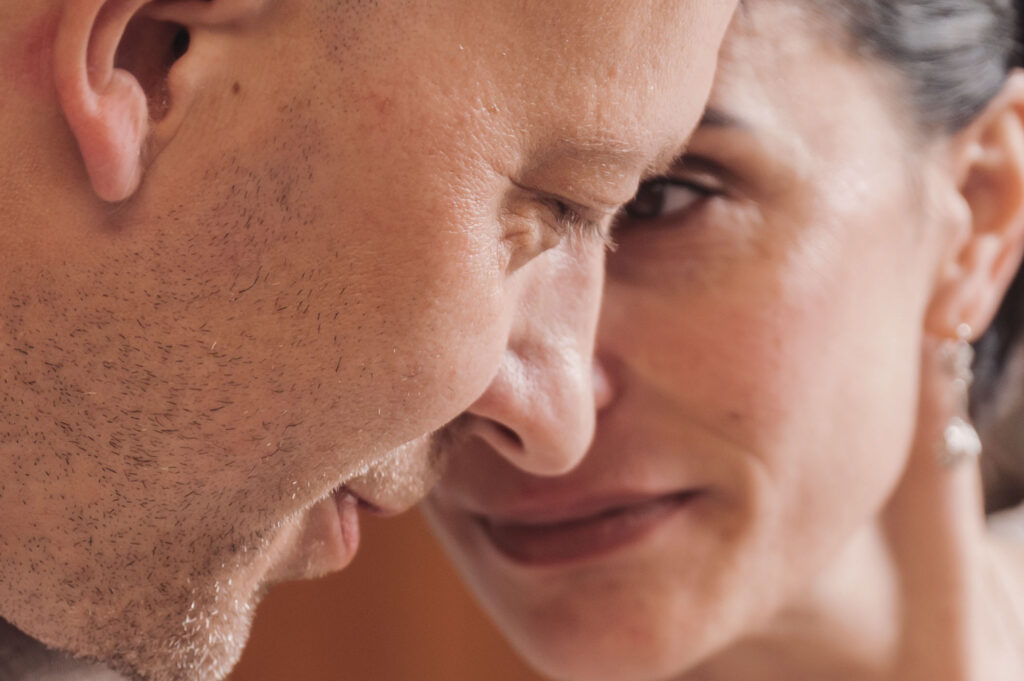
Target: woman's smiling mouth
pixel 567 537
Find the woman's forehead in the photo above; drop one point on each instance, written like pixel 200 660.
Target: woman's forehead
pixel 785 70
pixel 769 38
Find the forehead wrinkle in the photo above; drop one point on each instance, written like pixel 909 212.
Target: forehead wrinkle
pixel 600 152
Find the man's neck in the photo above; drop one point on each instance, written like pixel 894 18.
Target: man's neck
pixel 22 658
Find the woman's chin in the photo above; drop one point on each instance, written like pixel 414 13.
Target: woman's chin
pixel 616 659
pixel 621 597
pixel 634 637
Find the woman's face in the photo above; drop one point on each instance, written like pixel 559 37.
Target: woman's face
pixel 761 336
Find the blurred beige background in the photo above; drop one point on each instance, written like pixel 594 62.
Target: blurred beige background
pixel 398 613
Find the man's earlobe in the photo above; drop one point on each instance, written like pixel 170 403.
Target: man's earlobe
pixel 112 68
pixel 104 105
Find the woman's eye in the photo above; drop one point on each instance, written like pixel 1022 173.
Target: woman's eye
pixel 664 196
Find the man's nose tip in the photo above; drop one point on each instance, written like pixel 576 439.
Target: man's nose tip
pixel 538 411
pixel 540 419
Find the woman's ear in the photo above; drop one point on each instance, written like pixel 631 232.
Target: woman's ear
pixel 988 164
pixel 112 68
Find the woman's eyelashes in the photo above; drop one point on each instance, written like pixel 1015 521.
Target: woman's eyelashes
pixel 667 197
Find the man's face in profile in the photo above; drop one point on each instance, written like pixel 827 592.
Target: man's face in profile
pixel 366 211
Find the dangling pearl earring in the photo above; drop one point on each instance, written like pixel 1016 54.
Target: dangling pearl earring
pixel 960 441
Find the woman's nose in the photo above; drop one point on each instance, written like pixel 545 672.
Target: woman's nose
pixel 539 410
pixel 604 388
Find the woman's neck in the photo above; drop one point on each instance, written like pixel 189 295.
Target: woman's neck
pixel 831 630
pixel 924 594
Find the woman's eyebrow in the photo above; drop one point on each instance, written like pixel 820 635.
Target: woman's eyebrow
pixel 717 118
pixel 712 118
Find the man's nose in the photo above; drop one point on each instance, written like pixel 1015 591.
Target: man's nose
pixel 538 411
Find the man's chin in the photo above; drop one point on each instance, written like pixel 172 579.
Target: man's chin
pixel 204 649
pixel 209 639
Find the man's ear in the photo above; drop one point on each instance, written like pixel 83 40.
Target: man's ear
pixel 113 61
pixel 988 164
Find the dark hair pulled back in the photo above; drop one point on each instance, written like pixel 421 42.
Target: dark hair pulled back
pixel 953 54
pixel 954 57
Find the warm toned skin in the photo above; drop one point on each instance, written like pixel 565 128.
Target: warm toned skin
pixel 770 343
pixel 283 266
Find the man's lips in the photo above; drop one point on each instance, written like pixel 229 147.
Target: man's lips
pixel 365 504
pixel 326 540
pixel 348 524
pixel 580 532
pixel 398 481
pixel 387 486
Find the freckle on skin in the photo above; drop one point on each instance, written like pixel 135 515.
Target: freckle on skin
pixel 236 88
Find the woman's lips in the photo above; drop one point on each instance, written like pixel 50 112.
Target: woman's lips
pixel 567 538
